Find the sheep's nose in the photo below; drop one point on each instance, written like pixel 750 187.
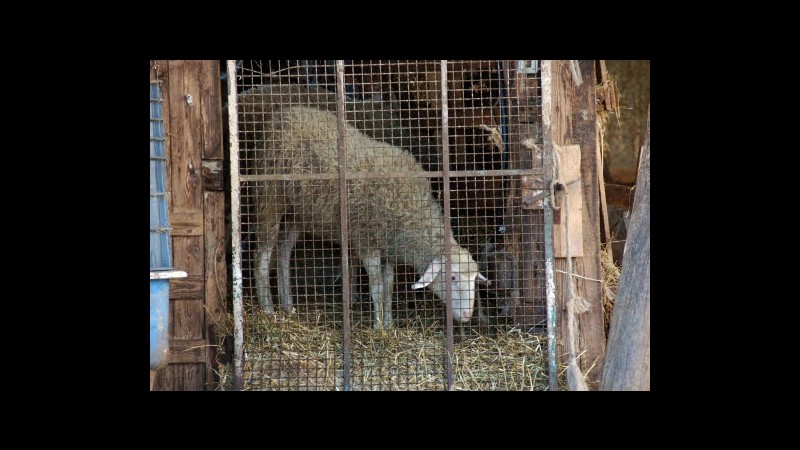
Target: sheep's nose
pixel 463 315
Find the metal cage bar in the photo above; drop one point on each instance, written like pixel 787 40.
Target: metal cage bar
pixel 236 231
pixel 340 148
pixel 547 132
pixel 448 268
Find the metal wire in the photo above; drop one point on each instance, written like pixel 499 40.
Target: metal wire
pixel 305 237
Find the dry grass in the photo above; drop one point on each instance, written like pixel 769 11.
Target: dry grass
pixel 284 353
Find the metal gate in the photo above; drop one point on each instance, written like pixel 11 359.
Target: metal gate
pixel 430 273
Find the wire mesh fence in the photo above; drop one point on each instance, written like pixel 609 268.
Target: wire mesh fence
pixel 384 240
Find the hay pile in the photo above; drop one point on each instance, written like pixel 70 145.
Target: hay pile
pixel 282 353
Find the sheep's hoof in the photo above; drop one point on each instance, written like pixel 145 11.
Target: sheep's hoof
pixel 288 309
pixel 267 309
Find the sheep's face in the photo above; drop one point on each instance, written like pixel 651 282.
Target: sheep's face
pixel 463 278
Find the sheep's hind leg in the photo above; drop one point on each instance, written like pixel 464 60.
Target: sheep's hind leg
pixel 376 288
pixel 262 281
pixel 286 241
pixel 388 287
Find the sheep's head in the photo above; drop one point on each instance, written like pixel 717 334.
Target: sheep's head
pixel 464 275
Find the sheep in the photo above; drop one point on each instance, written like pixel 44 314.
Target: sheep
pixel 500 266
pixel 391 220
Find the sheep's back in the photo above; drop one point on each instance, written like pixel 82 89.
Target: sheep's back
pixel 304 141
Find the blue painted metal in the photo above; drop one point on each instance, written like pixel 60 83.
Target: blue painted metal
pixel 159 218
pixel 159 316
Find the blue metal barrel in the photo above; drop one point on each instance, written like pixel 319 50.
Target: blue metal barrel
pixel 159 319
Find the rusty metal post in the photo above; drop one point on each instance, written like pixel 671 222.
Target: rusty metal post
pixel 549 264
pixel 340 146
pixel 447 232
pixel 236 231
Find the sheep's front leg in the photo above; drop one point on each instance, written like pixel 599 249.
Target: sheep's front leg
pixel 376 287
pixel 388 287
pixel 482 317
pixel 286 240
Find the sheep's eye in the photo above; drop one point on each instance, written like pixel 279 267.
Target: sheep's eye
pixel 453 278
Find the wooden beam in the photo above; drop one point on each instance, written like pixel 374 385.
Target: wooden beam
pixel 211 110
pixel 185 130
pixel 573 121
pixel 601 182
pixel 216 275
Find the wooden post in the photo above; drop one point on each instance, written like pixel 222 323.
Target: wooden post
pixel 573 122
pixel 628 359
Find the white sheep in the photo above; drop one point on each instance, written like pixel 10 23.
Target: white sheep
pixel 391 220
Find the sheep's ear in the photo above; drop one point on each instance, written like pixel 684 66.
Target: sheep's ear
pixel 430 273
pixel 483 280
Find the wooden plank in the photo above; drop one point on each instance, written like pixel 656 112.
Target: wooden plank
pixel 186 223
pixel 628 361
pixel 180 377
pixel 574 122
pixel 186 320
pixel 187 255
pixel 216 275
pixel 570 175
pixel 211 110
pixel 185 179
pixel 189 288
pixel 561 132
pixel 590 324
pixel 187 351
pixel 193 74
pixel 606 228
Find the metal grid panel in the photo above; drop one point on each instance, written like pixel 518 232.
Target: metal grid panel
pixel 318 319
pixel 160 254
